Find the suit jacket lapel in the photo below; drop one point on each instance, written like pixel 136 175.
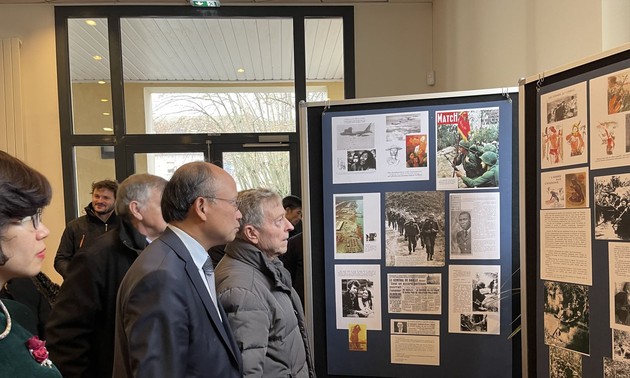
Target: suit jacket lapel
pixel 170 238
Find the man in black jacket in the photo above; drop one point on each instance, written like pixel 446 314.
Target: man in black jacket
pixel 81 232
pixel 81 326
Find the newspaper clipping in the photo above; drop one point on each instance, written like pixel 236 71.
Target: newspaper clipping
pixel 380 147
pixel 475 226
pixel 474 299
pixel 610 120
pixel 463 137
pixel 565 246
pixel 415 342
pixel 564 189
pixel 358 296
pixel 357 226
pixel 414 293
pixel 619 281
pixel 564 132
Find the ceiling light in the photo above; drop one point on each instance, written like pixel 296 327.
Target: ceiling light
pixel 240 70
pixel 105 113
pixel 104 100
pixel 107 129
pixel 101 82
pixel 90 22
pixel 97 57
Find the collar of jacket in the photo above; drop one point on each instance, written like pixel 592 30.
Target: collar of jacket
pixel 130 237
pixel 91 214
pixel 249 254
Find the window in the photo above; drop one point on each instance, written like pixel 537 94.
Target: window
pixel 147 89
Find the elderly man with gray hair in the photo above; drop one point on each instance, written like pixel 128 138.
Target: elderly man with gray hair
pixel 255 289
pixel 80 329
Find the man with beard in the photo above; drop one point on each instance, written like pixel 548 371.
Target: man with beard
pixel 99 218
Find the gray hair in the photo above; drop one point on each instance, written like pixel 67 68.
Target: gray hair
pixel 137 188
pixel 250 203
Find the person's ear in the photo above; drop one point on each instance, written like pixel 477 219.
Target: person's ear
pixel 201 208
pixel 134 210
pixel 251 233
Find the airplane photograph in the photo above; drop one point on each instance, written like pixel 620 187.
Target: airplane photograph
pixel 348 131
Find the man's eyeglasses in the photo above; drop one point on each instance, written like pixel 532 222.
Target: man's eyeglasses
pixel 35 218
pixel 233 202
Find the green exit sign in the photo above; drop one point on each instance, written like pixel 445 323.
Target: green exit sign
pixel 205 3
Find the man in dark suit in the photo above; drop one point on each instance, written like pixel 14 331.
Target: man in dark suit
pixel 169 323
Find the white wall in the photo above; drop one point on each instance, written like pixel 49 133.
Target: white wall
pixel 34 26
pixel 392 48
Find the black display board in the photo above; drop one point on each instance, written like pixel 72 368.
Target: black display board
pixel 460 354
pixel 578 119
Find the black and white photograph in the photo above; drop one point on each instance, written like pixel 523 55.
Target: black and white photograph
pixel 485 292
pixel 562 108
pixel 622 303
pixel 361 160
pixel 621 345
pixel 401 327
pixel 566 316
pixel 461 232
pixel 414 228
pixel 474 323
pixel 564 363
pixel 358 295
pixel 615 368
pixel 612 207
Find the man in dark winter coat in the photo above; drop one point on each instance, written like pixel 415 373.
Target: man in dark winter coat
pixel 81 326
pixel 81 232
pixel 255 289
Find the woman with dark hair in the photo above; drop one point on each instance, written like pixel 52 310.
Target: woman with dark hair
pixel 23 194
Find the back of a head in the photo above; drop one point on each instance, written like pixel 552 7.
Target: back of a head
pixel 137 188
pixel 189 181
pixel 106 184
pixel 291 202
pixel 23 190
pixel 251 203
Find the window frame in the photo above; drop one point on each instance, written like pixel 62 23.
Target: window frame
pixel 125 143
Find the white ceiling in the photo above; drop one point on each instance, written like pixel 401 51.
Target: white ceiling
pixel 203 49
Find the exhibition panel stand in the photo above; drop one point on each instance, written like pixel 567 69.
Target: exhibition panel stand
pixel 412 235
pixel 576 158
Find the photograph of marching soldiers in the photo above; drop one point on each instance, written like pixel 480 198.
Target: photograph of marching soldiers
pixel 612 202
pixel 414 228
pixel 566 316
pixel 467 148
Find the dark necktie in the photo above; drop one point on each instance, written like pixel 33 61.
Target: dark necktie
pixel 208 270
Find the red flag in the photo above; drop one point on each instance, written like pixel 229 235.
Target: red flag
pixel 463 125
